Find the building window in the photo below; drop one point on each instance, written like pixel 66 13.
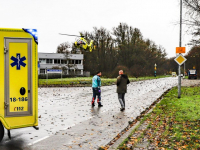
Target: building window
pixel 42 61
pixel 78 72
pixel 49 61
pixel 56 61
pixel 42 71
pixel 63 61
pixel 71 61
pixel 78 62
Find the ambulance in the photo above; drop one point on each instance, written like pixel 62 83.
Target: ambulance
pixel 18 79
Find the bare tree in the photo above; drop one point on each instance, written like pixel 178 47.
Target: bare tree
pixel 63 47
pixel 104 57
pixel 69 63
pixel 193 19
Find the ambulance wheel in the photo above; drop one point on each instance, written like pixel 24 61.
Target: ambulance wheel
pixel 1 131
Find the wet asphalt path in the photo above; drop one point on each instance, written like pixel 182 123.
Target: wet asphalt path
pixel 67 120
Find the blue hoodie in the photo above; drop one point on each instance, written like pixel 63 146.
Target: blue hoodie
pixel 96 81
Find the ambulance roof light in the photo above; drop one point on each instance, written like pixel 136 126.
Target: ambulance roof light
pixel 33 32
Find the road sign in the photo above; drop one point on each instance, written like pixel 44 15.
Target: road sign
pixel 54 71
pixel 180 59
pixel 180 49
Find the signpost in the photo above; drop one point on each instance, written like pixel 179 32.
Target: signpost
pixel 180 59
pixel 178 51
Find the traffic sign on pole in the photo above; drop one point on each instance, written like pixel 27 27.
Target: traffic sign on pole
pixel 180 49
pixel 180 59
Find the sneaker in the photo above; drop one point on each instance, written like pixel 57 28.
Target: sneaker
pixel 93 105
pixel 100 105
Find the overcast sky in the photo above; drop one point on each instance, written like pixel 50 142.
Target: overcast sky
pixel 157 19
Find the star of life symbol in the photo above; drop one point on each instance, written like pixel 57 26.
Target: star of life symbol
pixel 18 61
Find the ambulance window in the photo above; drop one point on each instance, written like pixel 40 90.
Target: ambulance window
pixel 49 61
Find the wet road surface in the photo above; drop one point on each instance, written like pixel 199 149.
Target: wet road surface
pixel 67 120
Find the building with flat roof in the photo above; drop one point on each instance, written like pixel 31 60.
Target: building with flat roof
pixel 71 65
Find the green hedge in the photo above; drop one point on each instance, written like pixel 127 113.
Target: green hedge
pixel 56 76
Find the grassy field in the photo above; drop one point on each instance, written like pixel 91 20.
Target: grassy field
pixel 173 124
pixel 86 81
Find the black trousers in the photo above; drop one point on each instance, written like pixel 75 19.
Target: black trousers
pixel 121 97
pixel 98 94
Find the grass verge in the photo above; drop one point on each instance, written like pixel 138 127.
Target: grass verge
pixel 173 124
pixel 85 81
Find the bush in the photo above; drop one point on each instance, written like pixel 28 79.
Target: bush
pixel 115 72
pixel 56 76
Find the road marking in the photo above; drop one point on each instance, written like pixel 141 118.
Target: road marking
pixel 6 141
pixel 69 126
pixel 38 140
pixel 103 111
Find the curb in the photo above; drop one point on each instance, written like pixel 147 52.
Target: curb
pixel 121 139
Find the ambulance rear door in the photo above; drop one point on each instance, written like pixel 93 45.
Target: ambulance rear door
pixel 18 77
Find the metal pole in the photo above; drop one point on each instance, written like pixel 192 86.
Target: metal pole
pixel 179 67
pixel 61 72
pixel 46 76
pixel 184 70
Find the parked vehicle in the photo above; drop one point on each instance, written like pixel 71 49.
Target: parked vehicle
pixel 174 74
pixel 192 74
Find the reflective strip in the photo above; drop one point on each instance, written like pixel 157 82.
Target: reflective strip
pixel 92 100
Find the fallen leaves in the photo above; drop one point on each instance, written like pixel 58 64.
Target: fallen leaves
pixel 169 127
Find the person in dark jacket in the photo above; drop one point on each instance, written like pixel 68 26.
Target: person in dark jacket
pixel 122 81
